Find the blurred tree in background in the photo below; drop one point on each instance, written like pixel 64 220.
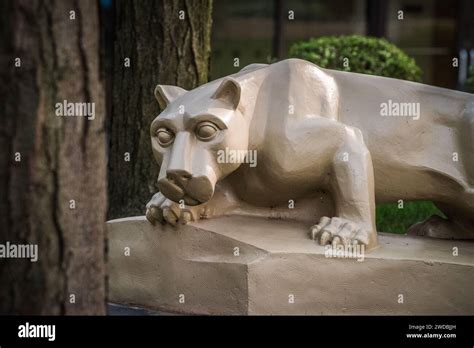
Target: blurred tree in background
pixel 157 42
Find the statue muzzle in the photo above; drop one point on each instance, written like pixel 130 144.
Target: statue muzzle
pixel 181 185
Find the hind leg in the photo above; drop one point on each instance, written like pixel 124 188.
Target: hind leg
pixel 459 208
pixel 459 223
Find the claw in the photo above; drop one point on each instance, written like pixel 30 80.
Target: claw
pixel 326 238
pixel 314 231
pixel 170 216
pixel 339 231
pixel 186 217
pixel 362 237
pixel 324 221
pixel 161 209
pixel 149 216
pixel 337 241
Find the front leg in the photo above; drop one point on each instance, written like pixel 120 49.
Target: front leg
pixel 352 186
pixel 224 202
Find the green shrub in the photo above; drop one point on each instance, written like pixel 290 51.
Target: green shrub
pixel 366 55
pixel 392 219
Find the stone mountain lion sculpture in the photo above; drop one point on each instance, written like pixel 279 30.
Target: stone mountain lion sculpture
pixel 315 129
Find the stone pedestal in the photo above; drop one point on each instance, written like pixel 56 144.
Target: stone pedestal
pixel 242 265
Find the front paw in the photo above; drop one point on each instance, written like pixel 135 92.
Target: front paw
pixel 163 210
pixel 339 231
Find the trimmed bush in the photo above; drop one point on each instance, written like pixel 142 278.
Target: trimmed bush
pixel 361 54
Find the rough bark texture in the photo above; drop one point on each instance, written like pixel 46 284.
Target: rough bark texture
pixel 62 158
pixel 163 49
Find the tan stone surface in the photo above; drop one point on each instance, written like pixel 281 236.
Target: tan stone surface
pixel 275 261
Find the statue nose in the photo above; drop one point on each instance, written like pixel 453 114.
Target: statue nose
pixel 178 176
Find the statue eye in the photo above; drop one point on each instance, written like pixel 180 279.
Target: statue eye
pixel 206 130
pixel 165 136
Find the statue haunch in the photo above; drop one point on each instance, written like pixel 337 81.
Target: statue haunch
pixel 314 129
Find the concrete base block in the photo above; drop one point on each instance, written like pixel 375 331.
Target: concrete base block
pixel 243 265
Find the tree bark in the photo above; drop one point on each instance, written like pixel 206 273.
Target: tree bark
pixel 55 196
pixel 162 48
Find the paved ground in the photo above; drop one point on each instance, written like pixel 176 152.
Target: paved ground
pixel 116 309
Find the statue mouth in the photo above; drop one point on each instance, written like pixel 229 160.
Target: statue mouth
pixel 196 193
pixel 171 190
pixel 191 201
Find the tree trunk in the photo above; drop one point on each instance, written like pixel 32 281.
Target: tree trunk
pixel 164 46
pixel 54 196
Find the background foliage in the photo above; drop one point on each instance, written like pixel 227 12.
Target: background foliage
pixel 366 55
pixel 470 79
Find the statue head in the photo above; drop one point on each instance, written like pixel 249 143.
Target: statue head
pixel 189 133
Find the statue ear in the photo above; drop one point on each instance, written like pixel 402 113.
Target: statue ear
pixel 166 94
pixel 229 92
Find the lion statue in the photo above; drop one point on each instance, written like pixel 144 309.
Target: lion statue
pixel 360 138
